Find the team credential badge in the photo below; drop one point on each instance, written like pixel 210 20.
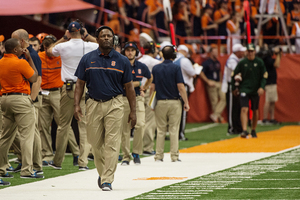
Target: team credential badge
pixel 113 63
pixel 139 71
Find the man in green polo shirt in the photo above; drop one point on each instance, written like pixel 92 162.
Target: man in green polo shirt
pixel 249 80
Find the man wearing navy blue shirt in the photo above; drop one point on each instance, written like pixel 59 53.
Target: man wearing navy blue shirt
pixel 105 73
pixel 169 85
pixel 23 36
pixel 139 70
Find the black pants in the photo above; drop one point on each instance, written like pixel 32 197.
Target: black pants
pixel 234 112
pixel 183 117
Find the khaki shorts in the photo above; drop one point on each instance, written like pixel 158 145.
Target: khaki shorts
pixel 271 93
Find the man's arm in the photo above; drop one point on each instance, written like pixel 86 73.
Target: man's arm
pixel 35 89
pixel 147 84
pixel 34 77
pixel 79 88
pixel 61 40
pixel 130 94
pixel 182 92
pixel 206 80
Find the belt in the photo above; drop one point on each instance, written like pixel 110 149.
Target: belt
pixel 171 99
pixel 52 89
pixel 66 82
pixel 14 93
pixel 104 100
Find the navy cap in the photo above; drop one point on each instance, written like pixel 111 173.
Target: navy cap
pixel 74 27
pixel 130 44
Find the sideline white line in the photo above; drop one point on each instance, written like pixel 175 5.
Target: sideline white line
pixel 201 128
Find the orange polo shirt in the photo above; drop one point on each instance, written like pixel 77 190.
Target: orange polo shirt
pixel 51 71
pixel 12 73
pixel 205 20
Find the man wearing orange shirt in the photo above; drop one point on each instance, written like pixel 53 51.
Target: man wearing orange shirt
pixel 17 106
pixel 51 85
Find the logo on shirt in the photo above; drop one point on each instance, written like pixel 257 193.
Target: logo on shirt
pixel 133 72
pixel 255 64
pixel 113 63
pixel 246 65
pixel 139 71
pixel 93 62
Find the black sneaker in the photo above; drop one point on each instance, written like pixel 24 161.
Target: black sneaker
pixel 159 160
pixel 45 164
pixel 178 160
pixel 35 175
pixel 7 175
pixel 38 171
pixel 10 169
pixel 75 160
pixel 106 187
pixel 274 122
pixel 51 164
pixel 84 168
pixel 244 134
pixel 4 183
pixel 91 157
pixel 125 163
pixel 99 182
pixel 147 153
pixel 18 168
pixel 253 134
pixel 136 158
pixel 120 158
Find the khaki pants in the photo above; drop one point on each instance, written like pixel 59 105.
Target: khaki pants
pixel 18 112
pixel 137 145
pixel 48 111
pixel 150 125
pixel 62 135
pixel 217 99
pixel 104 121
pixel 1 118
pixel 167 112
pixel 37 146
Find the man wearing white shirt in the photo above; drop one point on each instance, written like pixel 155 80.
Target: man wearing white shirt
pixel 188 73
pixel 150 125
pixel 71 52
pixel 233 103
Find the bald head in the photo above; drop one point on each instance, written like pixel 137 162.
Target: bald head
pixel 23 36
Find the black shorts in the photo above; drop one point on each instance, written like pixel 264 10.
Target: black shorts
pixel 244 100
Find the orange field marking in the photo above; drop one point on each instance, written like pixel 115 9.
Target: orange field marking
pixel 269 141
pixel 160 178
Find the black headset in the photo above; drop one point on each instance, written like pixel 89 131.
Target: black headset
pixel 152 48
pixel 174 55
pixel 50 37
pixel 115 37
pixel 81 26
pixel 136 49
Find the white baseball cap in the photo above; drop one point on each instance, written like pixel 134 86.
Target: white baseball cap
pixel 238 47
pixel 183 48
pixel 164 44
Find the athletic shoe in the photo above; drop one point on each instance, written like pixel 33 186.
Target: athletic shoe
pixel 253 134
pixel 18 168
pixel 274 122
pixel 38 171
pixel 136 158
pixel 4 183
pixel 178 160
pixel 51 164
pixel 106 187
pixel 214 118
pixel 10 169
pixel 159 160
pixel 34 175
pixel 244 134
pixel 147 153
pixel 91 157
pixel 120 158
pixel 84 168
pixel 7 175
pixel 99 182
pixel 45 164
pixel 125 163
pixel 75 160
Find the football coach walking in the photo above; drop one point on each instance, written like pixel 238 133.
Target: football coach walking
pixel 168 83
pixel 105 72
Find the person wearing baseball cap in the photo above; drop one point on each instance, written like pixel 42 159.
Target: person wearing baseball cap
pixel 251 86
pixel 232 102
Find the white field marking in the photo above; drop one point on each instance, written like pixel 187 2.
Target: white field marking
pixel 201 128
pixel 294 188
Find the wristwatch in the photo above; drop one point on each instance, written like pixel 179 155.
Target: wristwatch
pixel 65 37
